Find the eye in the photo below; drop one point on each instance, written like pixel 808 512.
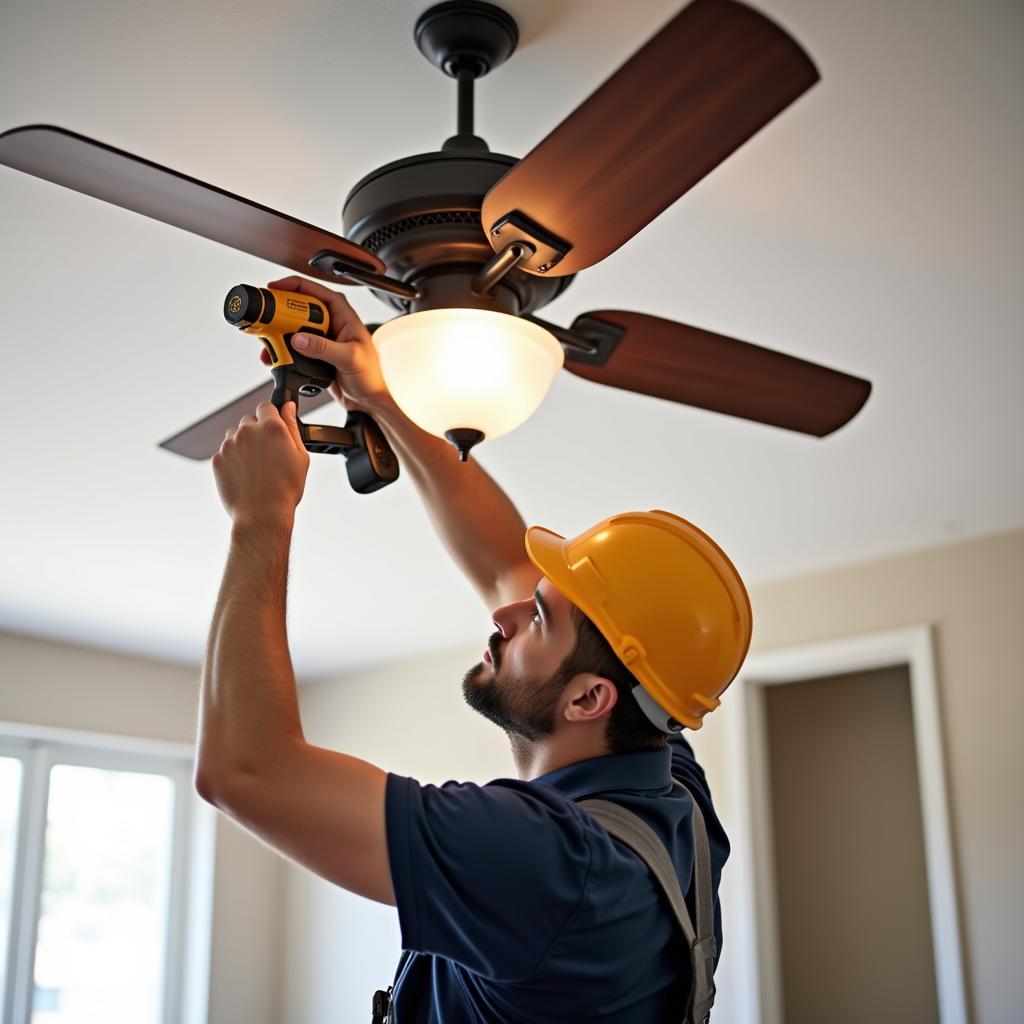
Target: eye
pixel 535 617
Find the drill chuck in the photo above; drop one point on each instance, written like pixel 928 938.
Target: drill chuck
pixel 246 304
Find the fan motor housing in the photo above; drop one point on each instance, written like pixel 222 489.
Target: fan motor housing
pixel 421 216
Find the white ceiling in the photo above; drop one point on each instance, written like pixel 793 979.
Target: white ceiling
pixel 876 226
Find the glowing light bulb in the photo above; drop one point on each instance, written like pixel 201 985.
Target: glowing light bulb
pixel 467 371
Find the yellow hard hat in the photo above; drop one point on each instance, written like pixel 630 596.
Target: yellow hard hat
pixel 667 599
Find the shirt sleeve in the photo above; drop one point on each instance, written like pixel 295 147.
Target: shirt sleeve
pixel 485 876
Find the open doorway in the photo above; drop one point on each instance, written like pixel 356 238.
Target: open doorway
pixel 850 877
pixel 847 751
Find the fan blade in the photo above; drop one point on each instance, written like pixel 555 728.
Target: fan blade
pixel 141 186
pixel 712 371
pixel 203 439
pixel 710 79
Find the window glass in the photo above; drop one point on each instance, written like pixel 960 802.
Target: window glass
pixel 102 925
pixel 10 788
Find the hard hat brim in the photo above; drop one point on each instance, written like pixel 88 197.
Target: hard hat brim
pixel 546 549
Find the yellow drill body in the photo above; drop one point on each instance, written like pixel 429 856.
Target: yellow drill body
pixel 274 317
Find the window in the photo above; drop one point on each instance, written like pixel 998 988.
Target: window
pixel 101 878
pixel 10 790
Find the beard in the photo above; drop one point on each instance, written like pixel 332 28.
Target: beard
pixel 519 705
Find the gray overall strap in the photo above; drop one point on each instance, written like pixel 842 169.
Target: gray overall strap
pixel 642 839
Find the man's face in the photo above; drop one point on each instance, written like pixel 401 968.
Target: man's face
pixel 518 684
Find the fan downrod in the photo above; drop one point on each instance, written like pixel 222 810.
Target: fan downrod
pixel 466 39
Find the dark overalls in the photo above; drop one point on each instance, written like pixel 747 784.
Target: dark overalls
pixel 515 906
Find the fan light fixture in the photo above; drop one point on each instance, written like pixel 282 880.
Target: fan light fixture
pixel 467 374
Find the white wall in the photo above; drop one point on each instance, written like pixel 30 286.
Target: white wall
pixel 409 718
pixel 69 687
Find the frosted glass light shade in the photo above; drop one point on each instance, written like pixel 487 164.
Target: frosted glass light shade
pixel 467 368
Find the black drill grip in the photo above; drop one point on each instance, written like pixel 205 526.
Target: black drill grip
pixel 371 464
pixel 369 460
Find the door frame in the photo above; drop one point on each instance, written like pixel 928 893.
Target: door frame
pixel 751 914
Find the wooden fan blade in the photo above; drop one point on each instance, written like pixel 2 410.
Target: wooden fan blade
pixel 712 371
pixel 709 80
pixel 202 440
pixel 141 186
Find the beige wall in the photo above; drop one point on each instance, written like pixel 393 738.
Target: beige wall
pixel 70 687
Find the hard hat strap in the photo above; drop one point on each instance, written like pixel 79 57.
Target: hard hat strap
pixel 655 713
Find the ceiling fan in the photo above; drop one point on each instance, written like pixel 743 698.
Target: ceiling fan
pixel 467 230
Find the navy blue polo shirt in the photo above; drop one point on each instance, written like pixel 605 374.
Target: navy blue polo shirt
pixel 515 906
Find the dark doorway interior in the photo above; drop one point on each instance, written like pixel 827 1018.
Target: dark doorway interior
pixel 852 897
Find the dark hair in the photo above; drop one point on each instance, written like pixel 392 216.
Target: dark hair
pixel 629 729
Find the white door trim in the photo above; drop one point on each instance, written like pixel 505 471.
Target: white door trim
pixel 751 914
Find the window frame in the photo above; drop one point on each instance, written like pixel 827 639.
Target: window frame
pixel 189 891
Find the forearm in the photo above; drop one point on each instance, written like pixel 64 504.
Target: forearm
pixel 477 523
pixel 248 705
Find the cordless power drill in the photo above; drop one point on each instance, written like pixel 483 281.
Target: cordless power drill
pixel 275 317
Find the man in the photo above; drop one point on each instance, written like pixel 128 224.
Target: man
pixel 514 903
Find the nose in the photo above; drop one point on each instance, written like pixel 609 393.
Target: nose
pixel 503 622
pixel 508 618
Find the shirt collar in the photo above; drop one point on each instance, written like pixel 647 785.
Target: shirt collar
pixel 645 769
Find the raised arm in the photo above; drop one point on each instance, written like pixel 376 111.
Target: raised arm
pixel 321 808
pixel 476 521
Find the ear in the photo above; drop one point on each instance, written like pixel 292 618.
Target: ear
pixel 590 697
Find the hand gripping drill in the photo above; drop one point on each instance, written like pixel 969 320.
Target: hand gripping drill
pixel 275 317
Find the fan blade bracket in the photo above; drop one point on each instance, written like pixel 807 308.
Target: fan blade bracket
pixel 548 249
pixel 589 341
pixel 348 271
pixel 507 259
pixel 601 334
